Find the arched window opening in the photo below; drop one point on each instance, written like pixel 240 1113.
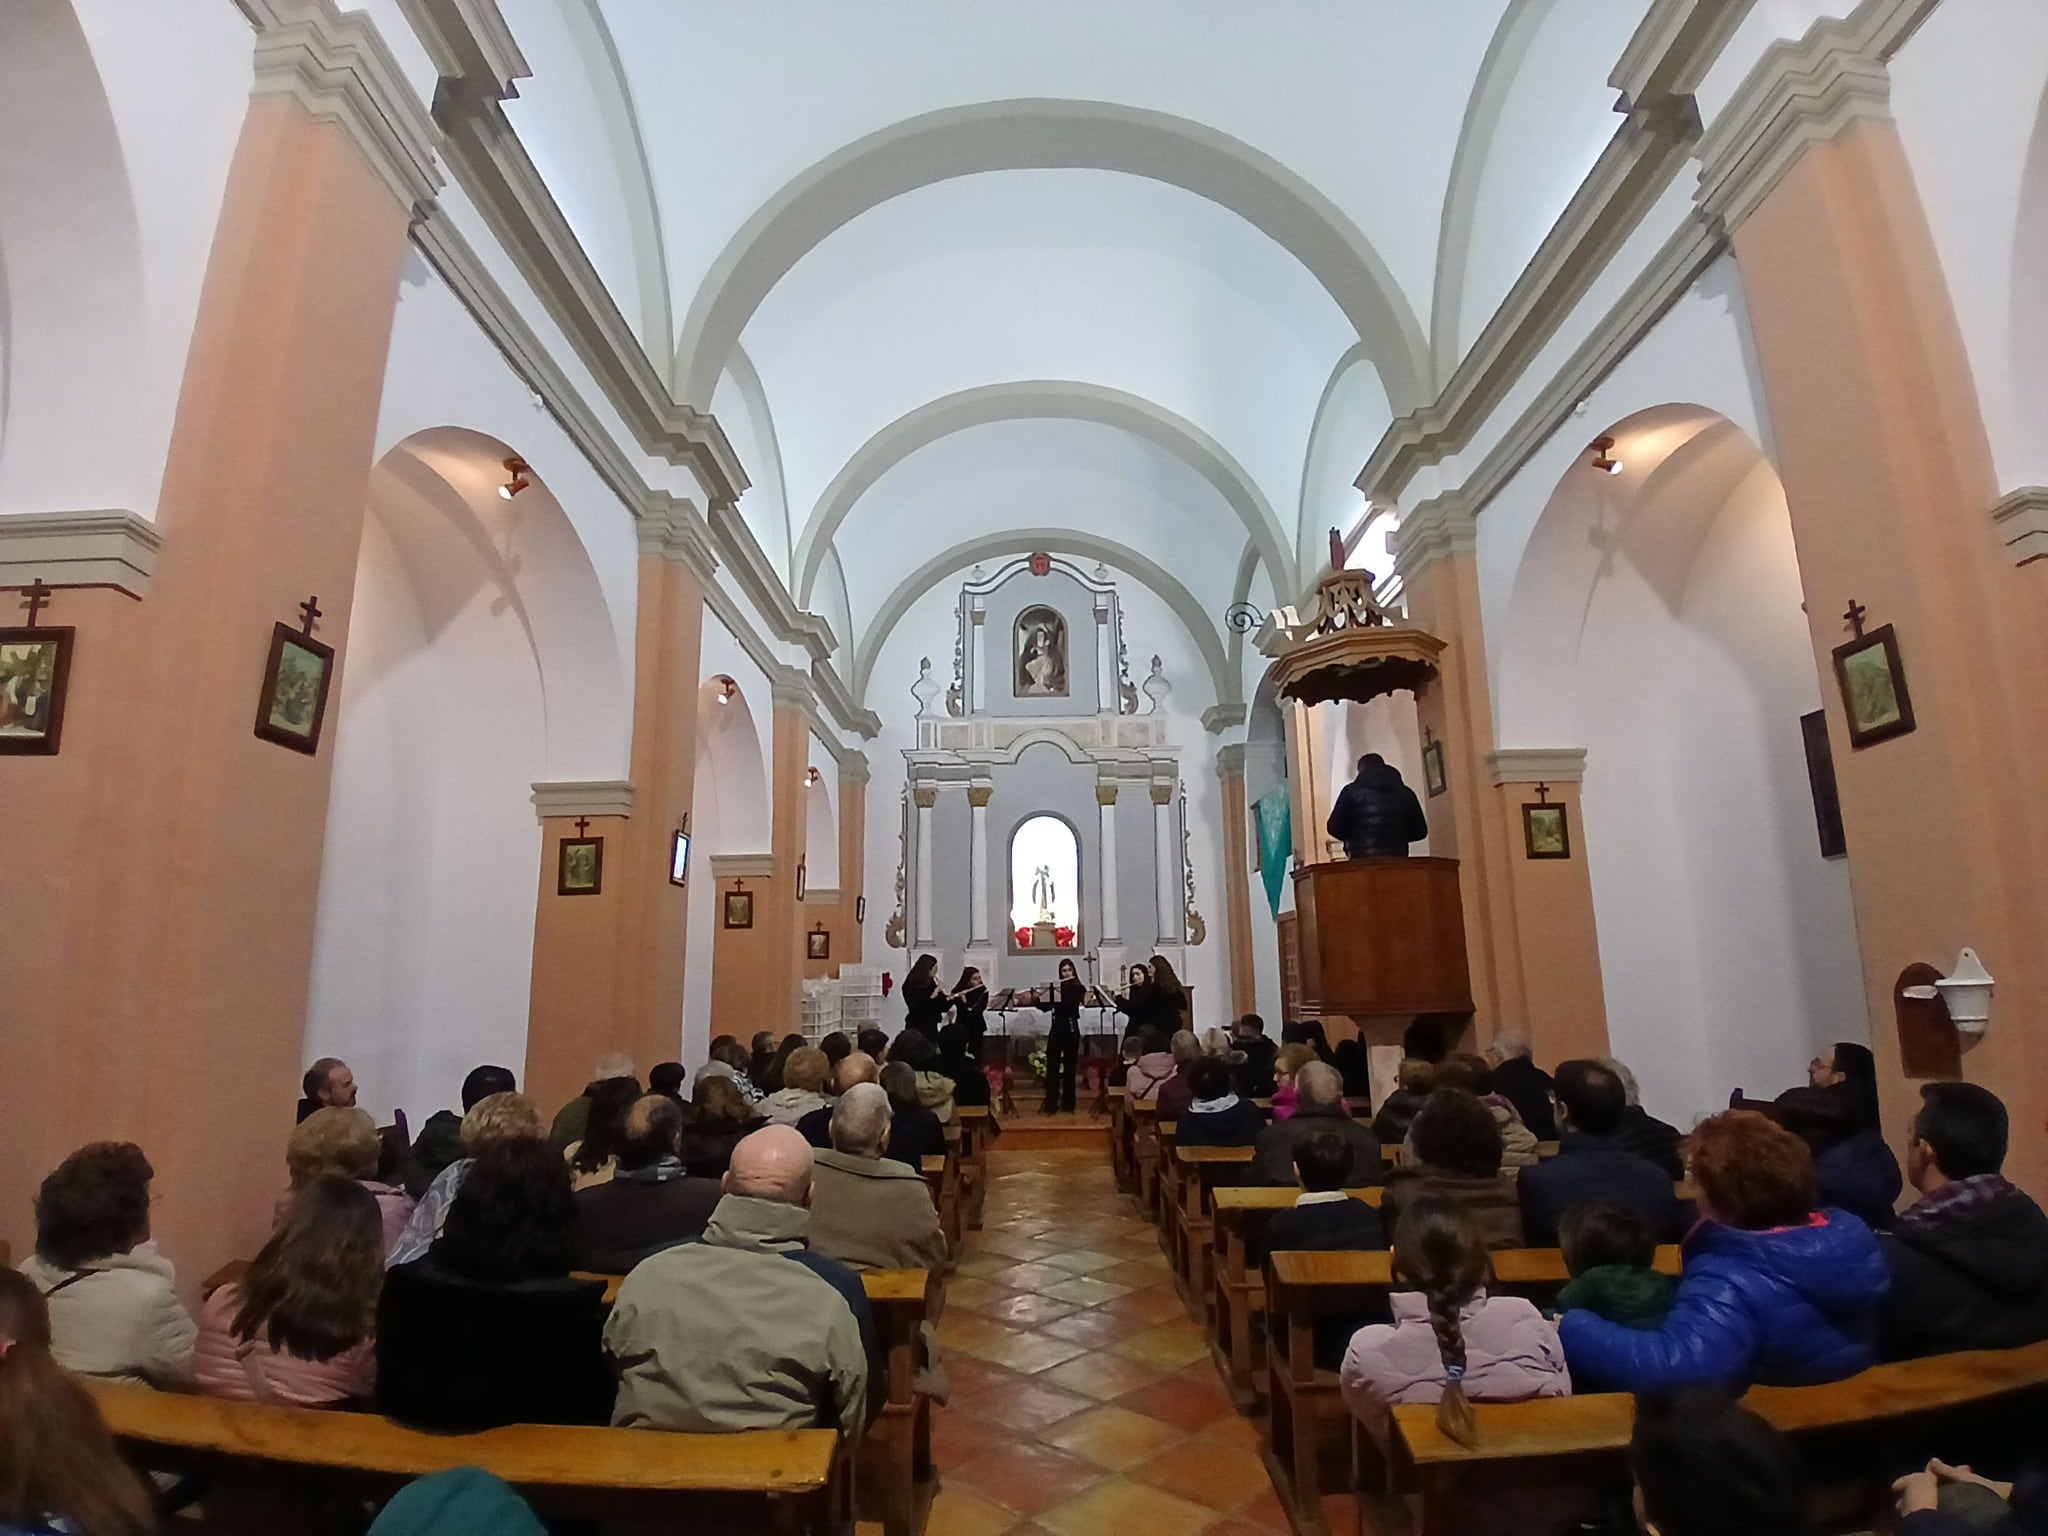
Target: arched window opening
pixel 1045 885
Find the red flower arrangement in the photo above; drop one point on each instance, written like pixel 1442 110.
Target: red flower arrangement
pixel 1063 937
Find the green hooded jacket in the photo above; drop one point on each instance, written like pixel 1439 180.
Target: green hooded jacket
pixel 1621 1293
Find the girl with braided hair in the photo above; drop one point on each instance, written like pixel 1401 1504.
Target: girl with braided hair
pixel 1450 1343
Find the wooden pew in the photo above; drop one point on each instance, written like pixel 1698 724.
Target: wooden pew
pixel 1301 1287
pixel 1199 1173
pixel 1237 1328
pixel 786 1480
pixel 1588 1436
pixel 942 1176
pixel 978 1127
pixel 1144 1115
pixel 1119 1125
pixel 900 1300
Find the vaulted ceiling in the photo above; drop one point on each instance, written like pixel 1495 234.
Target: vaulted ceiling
pixel 1152 276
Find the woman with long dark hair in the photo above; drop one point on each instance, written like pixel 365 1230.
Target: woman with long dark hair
pixel 595 1158
pixel 1138 1003
pixel 1450 1343
pixel 1063 1039
pixel 489 1328
pixel 970 1009
pixel 299 1328
pixel 1171 998
pixel 923 1003
pixel 57 1461
pixel 722 1120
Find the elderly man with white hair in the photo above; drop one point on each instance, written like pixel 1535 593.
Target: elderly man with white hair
pixel 1518 1079
pixel 746 1329
pixel 1318 1106
pixel 866 1210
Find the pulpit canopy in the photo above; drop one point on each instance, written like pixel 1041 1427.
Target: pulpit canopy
pixel 1346 647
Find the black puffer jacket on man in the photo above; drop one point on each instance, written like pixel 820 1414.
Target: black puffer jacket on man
pixel 1973 1277
pixel 1376 815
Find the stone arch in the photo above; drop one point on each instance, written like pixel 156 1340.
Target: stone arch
pixel 1044 134
pixel 1054 399
pixel 1656 621
pixel 1200 625
pixel 73 330
pixel 732 811
pixel 478 662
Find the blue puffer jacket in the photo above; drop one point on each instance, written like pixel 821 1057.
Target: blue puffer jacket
pixel 1787 1307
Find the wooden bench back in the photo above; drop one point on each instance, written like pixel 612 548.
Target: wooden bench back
pixel 1568 1426
pixel 1307 1271
pixel 524 1455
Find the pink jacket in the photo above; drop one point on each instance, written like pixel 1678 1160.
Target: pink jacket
pixel 1284 1100
pixel 1149 1074
pixel 1511 1354
pixel 219 1370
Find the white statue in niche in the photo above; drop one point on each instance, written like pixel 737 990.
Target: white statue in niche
pixel 1041 654
pixel 1043 892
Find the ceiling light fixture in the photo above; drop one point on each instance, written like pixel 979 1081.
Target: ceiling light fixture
pixel 522 476
pixel 811 775
pixel 1603 448
pixel 727 688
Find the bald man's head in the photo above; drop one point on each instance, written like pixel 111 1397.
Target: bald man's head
pixel 854 1067
pixel 772 1164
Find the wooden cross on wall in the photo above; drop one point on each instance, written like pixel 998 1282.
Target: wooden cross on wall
pixel 582 826
pixel 1854 616
pixel 1543 794
pixel 35 598
pixel 309 610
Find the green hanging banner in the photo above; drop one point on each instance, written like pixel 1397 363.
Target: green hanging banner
pixel 1275 817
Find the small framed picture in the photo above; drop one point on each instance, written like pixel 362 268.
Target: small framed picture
pixel 818 944
pixel 739 909
pixel 860 909
pixel 803 880
pixel 293 703
pixel 35 673
pixel 1433 769
pixel 679 858
pixel 580 870
pixel 1545 832
pixel 1873 683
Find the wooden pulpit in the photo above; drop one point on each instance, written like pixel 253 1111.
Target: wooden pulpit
pixel 1382 938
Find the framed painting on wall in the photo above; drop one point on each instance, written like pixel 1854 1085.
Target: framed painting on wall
pixel 1433 769
pixel 35 674
pixel 579 868
pixel 739 908
pixel 1873 682
pixel 293 704
pixel 818 944
pixel 1545 832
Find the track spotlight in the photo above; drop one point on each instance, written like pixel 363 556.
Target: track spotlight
pixel 727 690
pixel 522 476
pixel 1603 460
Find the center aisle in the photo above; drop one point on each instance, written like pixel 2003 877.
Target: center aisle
pixel 1083 1398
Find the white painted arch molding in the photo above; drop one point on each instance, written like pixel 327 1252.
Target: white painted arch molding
pixel 1039 400
pixel 1051 134
pixel 1199 623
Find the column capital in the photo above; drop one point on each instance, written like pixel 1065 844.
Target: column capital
pixel 790 688
pixel 111 548
pixel 1803 91
pixel 1536 765
pixel 1105 792
pixel 1437 529
pixel 338 68
pixel 854 768
pixel 1230 761
pixel 672 528
pixel 925 797
pixel 978 795
pixel 602 797
pixel 1218 718
pixel 1162 794
pixel 2021 517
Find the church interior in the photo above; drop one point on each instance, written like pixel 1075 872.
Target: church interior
pixel 536 531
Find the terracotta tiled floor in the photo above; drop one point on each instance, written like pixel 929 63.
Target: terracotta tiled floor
pixel 1084 1400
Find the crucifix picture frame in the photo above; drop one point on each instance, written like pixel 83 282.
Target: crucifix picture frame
pixel 579 863
pixel 1872 677
pixel 1433 769
pixel 292 706
pixel 35 677
pixel 739 907
pixel 1546 830
pixel 818 944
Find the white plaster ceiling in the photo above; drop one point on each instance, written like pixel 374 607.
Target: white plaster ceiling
pixel 1237 238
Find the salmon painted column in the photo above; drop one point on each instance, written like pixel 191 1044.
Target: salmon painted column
pixel 1888 474
pixel 847 947
pixel 160 873
pixel 1237 881
pixel 1440 584
pixel 778 992
pixel 1552 888
pixel 619 986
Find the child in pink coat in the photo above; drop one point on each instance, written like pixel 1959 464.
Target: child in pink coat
pixel 1450 1343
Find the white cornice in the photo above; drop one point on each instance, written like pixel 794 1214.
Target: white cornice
pixel 1437 528
pixel 78 549
pixel 839 703
pixel 1230 761
pixel 1674 45
pixel 791 689
pixel 2022 520
pixel 1536 765
pixel 854 767
pixel 602 797
pixel 742 866
pixel 673 528
pixel 1802 91
pixel 468 40
pixel 1218 718
pixel 821 896
pixel 338 68
pixel 749 565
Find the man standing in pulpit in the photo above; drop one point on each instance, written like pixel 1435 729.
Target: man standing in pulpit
pixel 1377 815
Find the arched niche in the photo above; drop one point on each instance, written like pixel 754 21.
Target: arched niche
pixel 478 662
pixel 730 812
pixel 1044 865
pixel 1656 621
pixel 821 821
pixel 73 325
